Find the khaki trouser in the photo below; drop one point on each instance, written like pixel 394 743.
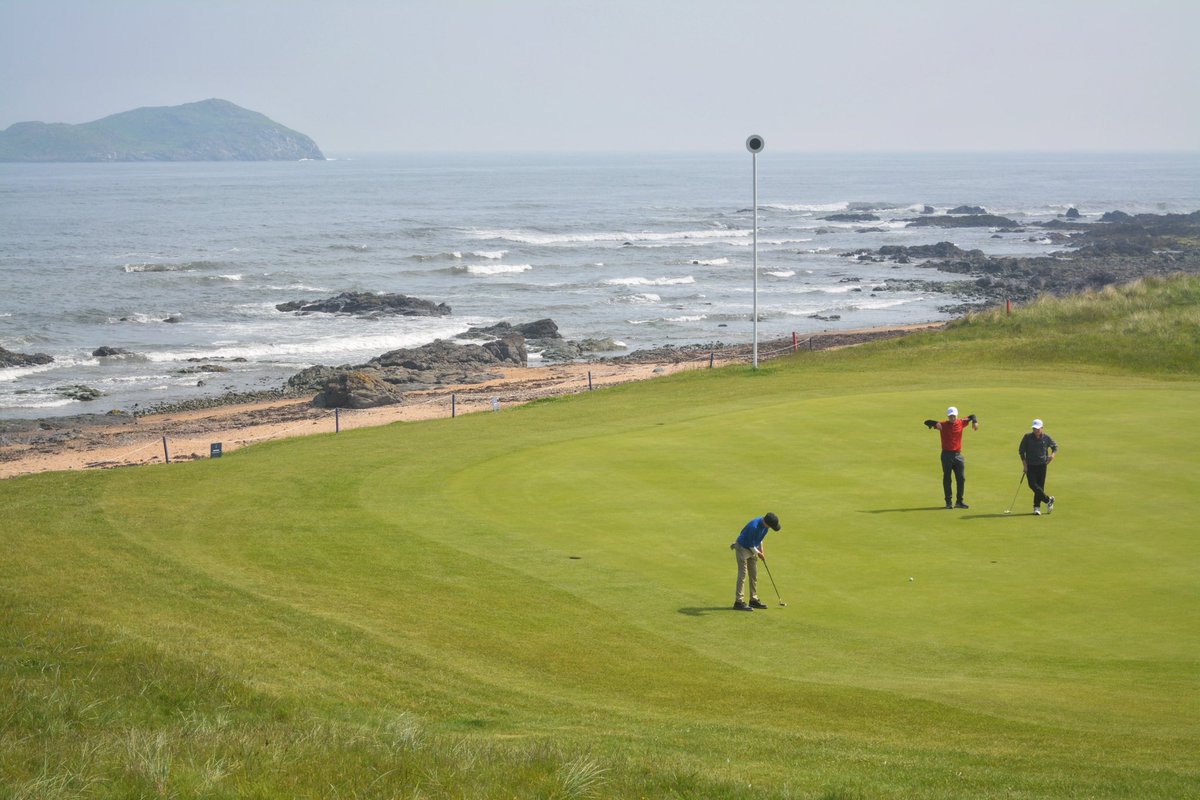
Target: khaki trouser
pixel 747 561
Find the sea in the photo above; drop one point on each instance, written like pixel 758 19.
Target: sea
pixel 183 264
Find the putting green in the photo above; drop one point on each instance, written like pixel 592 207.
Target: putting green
pixel 1001 611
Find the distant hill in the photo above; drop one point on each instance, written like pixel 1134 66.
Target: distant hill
pixel 211 130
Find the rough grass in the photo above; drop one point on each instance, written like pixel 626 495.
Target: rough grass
pixel 535 603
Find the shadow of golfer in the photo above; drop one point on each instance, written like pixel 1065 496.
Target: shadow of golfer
pixel 993 516
pixel 700 612
pixel 900 510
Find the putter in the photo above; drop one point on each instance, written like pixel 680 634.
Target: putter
pixel 772 577
pixel 1014 500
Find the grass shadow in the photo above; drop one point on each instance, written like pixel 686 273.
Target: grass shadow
pixel 700 612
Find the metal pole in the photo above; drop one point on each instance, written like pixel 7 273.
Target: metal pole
pixel 755 144
pixel 754 157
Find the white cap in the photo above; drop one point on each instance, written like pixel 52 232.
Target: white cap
pixel 951 412
pixel 1037 424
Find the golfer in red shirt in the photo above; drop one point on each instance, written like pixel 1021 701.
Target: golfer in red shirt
pixel 951 430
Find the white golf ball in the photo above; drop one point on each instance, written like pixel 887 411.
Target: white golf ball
pixel 910 579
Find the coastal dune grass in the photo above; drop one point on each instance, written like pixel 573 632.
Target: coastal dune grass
pixel 536 603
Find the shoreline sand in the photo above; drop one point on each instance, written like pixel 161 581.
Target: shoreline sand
pixel 127 441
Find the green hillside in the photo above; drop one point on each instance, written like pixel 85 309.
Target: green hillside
pixel 536 603
pixel 210 130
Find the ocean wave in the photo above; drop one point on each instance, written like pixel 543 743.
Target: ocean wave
pixel 334 347
pixel 137 317
pixel 12 373
pixel 298 287
pixel 700 262
pixel 187 266
pixel 493 269
pixel 354 248
pixel 644 298
pixel 773 241
pixel 674 320
pixel 649 281
pixel 879 304
pixel 458 255
pixel 780 273
pixel 809 208
pixel 34 400
pixel 531 237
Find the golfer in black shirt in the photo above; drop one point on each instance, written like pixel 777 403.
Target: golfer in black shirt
pixel 1037 450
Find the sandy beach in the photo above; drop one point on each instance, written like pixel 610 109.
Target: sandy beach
pixel 123 440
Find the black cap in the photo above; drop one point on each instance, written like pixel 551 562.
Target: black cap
pixel 771 520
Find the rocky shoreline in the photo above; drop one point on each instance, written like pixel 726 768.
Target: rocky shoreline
pixel 1117 249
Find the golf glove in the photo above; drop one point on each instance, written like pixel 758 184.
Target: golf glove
pixel 973 418
pixel 931 424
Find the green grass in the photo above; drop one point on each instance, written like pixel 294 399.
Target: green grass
pixel 535 603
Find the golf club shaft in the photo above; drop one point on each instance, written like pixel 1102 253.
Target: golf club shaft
pixel 1018 491
pixel 772 577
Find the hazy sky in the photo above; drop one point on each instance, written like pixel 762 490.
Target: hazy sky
pixel 651 75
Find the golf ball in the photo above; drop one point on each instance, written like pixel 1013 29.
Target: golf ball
pixel 910 579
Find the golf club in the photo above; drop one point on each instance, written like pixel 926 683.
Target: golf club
pixel 772 577
pixel 1014 500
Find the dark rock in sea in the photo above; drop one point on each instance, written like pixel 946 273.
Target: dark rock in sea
pixel 563 350
pixel 442 355
pixel 968 210
pixel 201 369
pixel 966 221
pixel 1072 213
pixel 852 218
pixel 939 250
pixel 928 210
pixel 367 304
pixel 9 358
pixel 357 389
pixel 1116 216
pixel 79 392
pixel 108 352
pixel 174 319
pixel 538 329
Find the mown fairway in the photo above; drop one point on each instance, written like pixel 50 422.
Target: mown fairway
pixel 536 603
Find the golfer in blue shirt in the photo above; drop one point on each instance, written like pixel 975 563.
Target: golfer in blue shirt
pixel 749 549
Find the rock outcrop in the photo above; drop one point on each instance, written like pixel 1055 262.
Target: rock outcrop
pixel 382 380
pixel 9 358
pixel 368 304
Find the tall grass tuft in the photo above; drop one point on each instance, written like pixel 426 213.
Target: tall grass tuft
pixel 1148 327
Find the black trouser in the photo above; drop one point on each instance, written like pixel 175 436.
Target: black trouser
pixel 952 462
pixel 1035 474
